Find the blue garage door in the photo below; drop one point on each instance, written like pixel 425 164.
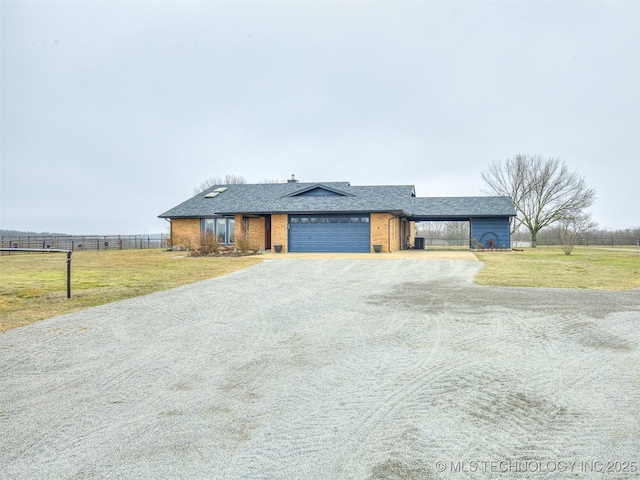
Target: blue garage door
pixel 329 233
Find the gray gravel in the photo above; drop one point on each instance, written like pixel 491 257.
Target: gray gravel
pixel 329 369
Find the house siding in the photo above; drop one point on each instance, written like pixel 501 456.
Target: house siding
pixel 497 228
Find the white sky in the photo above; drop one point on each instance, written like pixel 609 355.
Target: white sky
pixel 112 112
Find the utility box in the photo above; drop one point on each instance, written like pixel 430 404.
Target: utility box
pixel 419 243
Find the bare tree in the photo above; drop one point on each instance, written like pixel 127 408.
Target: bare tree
pixel 509 178
pixel 271 180
pixel 543 191
pixel 457 230
pixel 430 229
pixel 572 228
pixel 229 179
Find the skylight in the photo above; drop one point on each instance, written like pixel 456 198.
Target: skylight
pixel 216 192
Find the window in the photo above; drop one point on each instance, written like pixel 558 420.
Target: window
pixel 231 230
pixel 223 228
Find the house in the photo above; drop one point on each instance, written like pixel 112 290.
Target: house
pixel 331 216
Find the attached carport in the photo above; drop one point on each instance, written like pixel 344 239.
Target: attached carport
pixel 489 217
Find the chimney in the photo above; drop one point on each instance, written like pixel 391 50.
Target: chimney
pixel 292 179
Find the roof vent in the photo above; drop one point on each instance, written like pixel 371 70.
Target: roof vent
pixel 292 179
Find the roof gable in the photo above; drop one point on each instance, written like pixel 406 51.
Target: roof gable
pixel 319 190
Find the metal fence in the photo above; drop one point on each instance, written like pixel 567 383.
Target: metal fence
pixel 594 241
pixel 48 250
pixel 444 241
pixel 84 242
pixel 583 242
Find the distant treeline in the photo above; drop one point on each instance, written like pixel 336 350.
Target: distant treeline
pixel 631 235
pixel 20 233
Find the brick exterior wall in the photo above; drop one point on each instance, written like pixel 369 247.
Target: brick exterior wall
pixel 238 229
pixel 385 232
pixel 256 231
pixel 185 232
pixel 396 234
pixel 280 231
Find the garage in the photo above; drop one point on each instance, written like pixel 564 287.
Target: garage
pixel 329 233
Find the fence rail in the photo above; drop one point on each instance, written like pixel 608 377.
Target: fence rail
pixel 48 250
pixel 583 242
pixel 591 241
pixel 83 242
pixel 445 241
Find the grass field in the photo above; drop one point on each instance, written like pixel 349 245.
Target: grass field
pixel 591 268
pixel 33 286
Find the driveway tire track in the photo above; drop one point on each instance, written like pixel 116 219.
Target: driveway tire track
pixel 323 368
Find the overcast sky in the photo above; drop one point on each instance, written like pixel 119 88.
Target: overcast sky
pixel 112 112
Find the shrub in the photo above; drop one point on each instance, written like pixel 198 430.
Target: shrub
pixel 242 243
pixel 209 243
pixel 572 228
pixel 183 242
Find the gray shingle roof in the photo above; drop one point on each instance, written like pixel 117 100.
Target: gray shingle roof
pixel 274 198
pixel 461 207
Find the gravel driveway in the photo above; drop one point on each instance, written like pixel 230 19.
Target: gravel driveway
pixel 329 369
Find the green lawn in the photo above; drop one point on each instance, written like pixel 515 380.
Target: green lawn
pixel 33 286
pixel 594 268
